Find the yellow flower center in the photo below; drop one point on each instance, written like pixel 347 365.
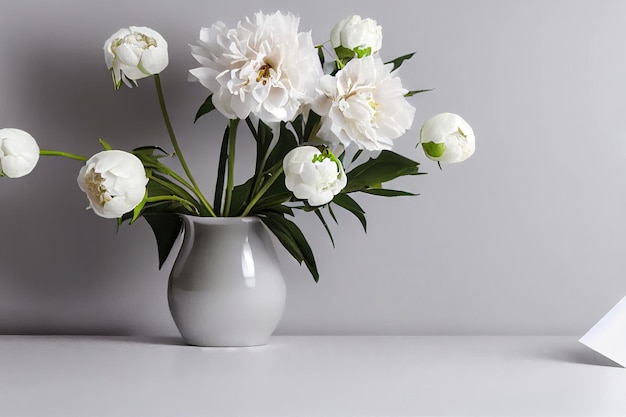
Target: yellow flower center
pixel 95 187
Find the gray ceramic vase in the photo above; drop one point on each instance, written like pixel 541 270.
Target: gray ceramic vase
pixel 226 288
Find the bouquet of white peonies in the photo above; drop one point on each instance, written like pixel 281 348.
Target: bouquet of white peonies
pixel 324 121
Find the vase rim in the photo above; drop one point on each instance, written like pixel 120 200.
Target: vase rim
pixel 220 220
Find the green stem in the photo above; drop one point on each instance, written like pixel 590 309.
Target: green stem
pixel 177 189
pixel 179 153
pixel 232 136
pixel 273 176
pixel 63 154
pixel 176 198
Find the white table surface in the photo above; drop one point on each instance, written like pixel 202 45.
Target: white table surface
pixel 87 376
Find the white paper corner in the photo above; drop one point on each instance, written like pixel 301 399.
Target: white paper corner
pixel 608 336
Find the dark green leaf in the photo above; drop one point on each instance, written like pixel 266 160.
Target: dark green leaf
pixel 166 228
pixel 320 54
pixel 356 155
pixel 271 200
pixel 414 92
pixel 298 127
pixel 332 213
pixel 149 150
pixel 388 193
pixel 221 173
pixel 286 142
pixel 311 126
pixel 320 216
pixel 240 198
pixel 348 203
pixel 387 166
pixel 398 61
pixel 159 185
pixel 275 209
pixel 291 237
pixel 252 128
pixel 205 108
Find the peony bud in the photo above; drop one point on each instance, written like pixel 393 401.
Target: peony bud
pixel 313 175
pixel 356 36
pixel 19 153
pixel 114 181
pixel 446 137
pixel 135 53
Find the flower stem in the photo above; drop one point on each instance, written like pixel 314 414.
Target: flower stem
pixel 273 176
pixel 179 153
pixel 63 154
pixel 232 135
pixel 187 204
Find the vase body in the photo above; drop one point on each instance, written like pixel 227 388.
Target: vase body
pixel 226 288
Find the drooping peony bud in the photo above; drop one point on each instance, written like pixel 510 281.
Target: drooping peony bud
pixel 355 36
pixel 134 53
pixel 114 181
pixel 446 137
pixel 313 175
pixel 19 153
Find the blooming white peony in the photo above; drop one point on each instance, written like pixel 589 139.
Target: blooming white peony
pixel 361 36
pixel 19 153
pixel 313 175
pixel 446 137
pixel 364 104
pixel 114 181
pixel 264 67
pixel 134 53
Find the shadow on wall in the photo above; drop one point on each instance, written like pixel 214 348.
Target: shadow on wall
pixel 64 270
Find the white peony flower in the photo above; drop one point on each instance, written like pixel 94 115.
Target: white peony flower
pixel 363 104
pixel 354 35
pixel 134 53
pixel 114 181
pixel 313 175
pixel 264 67
pixel 19 153
pixel 446 137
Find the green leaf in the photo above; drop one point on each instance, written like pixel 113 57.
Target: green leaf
pixel 166 228
pixel 398 61
pixel 414 92
pixel 298 127
pixel 139 208
pixel 375 171
pixel 344 54
pixel 312 126
pixel 291 237
pixel 320 216
pixel 149 160
pixel 221 173
pixel 348 203
pixel 332 213
pixel 264 139
pixel 105 145
pixel 286 142
pixel 320 54
pixel 388 193
pixel 205 108
pixel 356 155
pixel 159 186
pixel 239 198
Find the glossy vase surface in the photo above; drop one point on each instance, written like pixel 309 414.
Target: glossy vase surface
pixel 226 288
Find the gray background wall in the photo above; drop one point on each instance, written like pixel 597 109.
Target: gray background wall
pixel 526 237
